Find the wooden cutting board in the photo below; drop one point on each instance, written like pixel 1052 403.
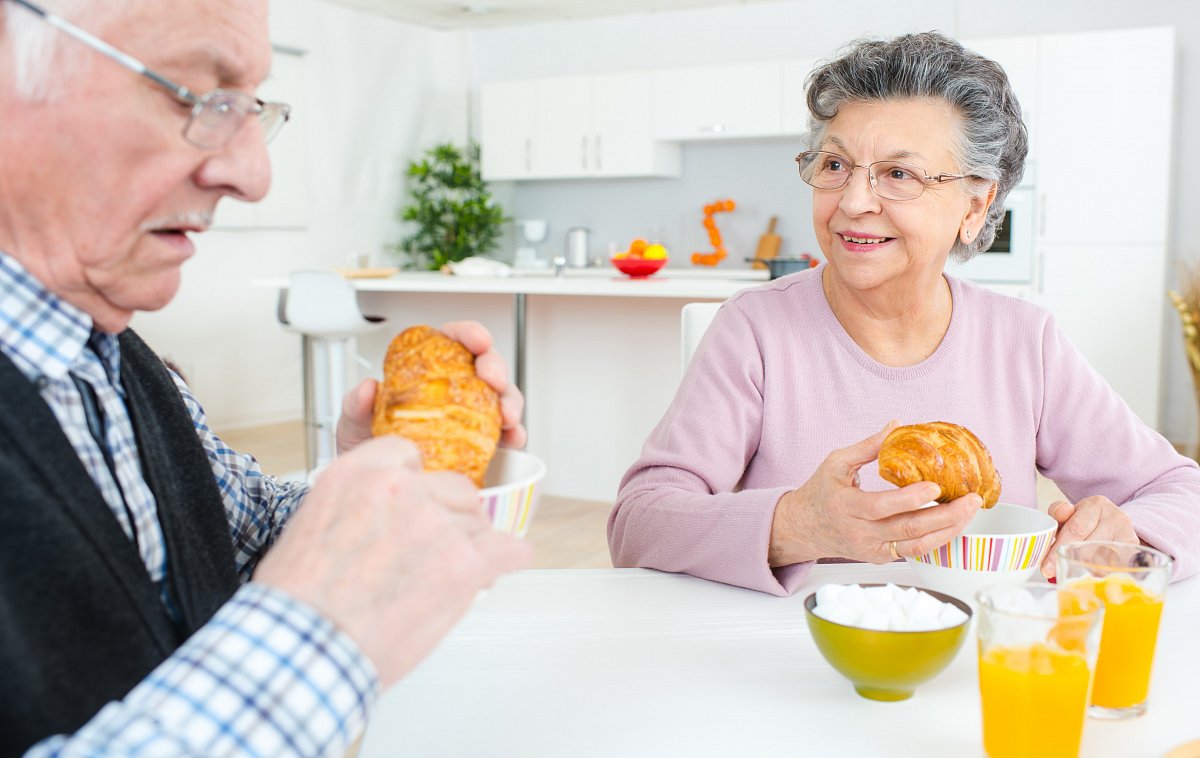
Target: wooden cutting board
pixel 768 244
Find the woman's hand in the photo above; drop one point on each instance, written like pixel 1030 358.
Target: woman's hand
pixel 354 425
pixel 1092 518
pixel 829 516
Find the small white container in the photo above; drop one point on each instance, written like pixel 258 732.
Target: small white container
pixel 577 247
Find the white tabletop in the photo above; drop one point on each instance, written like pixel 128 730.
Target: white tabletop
pixel 594 283
pixel 630 662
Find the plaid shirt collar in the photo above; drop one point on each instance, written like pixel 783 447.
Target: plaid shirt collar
pixel 42 334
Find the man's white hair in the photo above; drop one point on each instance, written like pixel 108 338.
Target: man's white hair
pixel 42 57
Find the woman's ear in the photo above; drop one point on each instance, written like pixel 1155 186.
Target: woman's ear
pixel 976 213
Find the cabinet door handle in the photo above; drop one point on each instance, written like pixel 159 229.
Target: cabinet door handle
pixel 712 129
pixel 597 153
pixel 529 153
pixel 1042 214
pixel 583 152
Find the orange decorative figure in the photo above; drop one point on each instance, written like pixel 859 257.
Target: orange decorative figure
pixel 714 234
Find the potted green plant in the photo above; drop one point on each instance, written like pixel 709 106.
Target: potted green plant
pixel 453 210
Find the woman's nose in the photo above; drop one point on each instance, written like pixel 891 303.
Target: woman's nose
pixel 858 196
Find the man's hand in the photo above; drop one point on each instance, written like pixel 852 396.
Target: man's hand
pixel 393 556
pixel 1092 518
pixel 354 425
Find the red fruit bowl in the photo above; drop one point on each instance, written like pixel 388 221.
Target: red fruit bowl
pixel 638 268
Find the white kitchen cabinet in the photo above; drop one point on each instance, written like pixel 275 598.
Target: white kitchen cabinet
pixel 509 113
pixel 589 126
pixel 1104 117
pixel 1109 301
pixel 1019 58
pixel 623 129
pixel 719 102
pixel 563 127
pixel 795 106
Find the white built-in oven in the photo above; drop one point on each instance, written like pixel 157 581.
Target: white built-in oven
pixel 1009 262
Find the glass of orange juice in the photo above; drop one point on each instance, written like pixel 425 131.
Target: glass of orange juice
pixel 1131 581
pixel 1037 654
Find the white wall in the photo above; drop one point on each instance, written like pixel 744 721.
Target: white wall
pixel 753 173
pixel 377 92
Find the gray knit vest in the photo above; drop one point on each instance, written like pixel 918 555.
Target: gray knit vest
pixel 80 621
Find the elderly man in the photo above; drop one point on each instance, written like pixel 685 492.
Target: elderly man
pixel 149 600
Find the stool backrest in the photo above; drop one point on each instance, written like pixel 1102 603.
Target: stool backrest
pixel 694 321
pixel 322 302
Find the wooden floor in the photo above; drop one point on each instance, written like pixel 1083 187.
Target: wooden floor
pixel 565 533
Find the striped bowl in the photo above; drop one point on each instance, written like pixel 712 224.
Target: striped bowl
pixel 1005 544
pixel 512 487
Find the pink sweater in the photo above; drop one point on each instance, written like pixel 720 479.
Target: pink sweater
pixel 777 384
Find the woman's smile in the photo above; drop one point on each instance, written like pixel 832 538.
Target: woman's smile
pixel 860 242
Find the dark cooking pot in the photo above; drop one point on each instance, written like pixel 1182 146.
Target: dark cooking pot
pixel 784 266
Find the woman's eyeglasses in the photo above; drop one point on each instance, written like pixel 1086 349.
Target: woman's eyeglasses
pixel 891 180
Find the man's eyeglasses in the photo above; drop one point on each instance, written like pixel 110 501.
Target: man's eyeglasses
pixel 215 117
pixel 891 180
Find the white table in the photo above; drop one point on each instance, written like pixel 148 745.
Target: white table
pixel 630 662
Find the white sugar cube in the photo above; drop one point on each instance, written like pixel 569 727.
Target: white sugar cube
pixel 907 597
pixel 874 619
pixel 853 596
pixel 886 608
pixel 925 607
pixel 838 614
pixel 878 598
pixel 827 594
pixel 950 616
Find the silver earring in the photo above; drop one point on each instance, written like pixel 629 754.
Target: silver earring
pixel 968 235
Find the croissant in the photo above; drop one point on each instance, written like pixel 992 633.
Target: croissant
pixel 431 395
pixel 946 454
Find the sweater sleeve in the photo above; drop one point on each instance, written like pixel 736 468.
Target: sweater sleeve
pixel 680 506
pixel 1091 443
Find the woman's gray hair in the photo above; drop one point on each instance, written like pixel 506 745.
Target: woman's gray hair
pixel 992 140
pixel 43 57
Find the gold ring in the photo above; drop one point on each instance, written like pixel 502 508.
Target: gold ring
pixel 892 549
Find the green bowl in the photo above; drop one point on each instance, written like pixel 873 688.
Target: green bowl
pixel 887 665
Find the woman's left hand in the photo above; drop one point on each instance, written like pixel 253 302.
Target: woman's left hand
pixel 1092 518
pixel 354 425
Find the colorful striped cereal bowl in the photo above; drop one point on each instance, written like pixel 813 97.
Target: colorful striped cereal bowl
pixel 512 486
pixel 1005 544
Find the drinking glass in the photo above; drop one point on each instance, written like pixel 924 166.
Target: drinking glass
pixel 1131 580
pixel 1037 652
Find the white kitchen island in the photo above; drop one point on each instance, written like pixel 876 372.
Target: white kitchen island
pixel 600 352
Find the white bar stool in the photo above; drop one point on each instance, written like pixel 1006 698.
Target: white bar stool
pixel 322 307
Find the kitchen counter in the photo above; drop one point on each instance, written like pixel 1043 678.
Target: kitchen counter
pixel 603 352
pixel 684 284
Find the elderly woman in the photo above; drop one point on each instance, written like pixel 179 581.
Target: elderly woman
pixel 759 467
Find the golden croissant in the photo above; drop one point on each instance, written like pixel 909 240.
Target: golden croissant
pixel 946 454
pixel 431 395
